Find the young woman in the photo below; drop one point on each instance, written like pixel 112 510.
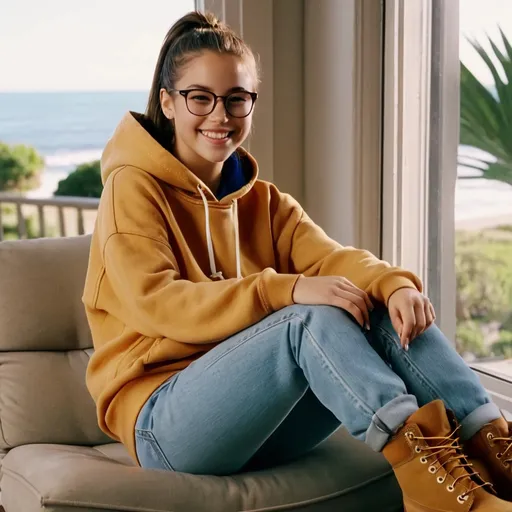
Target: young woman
pixel 232 333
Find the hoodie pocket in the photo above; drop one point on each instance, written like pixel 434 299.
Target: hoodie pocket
pixel 139 348
pixel 171 355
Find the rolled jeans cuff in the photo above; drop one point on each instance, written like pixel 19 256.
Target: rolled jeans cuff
pixel 388 420
pixel 475 420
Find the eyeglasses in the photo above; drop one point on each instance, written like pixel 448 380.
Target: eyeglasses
pixel 202 103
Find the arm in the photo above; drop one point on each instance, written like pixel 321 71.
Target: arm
pixel 155 301
pixel 142 285
pixel 312 253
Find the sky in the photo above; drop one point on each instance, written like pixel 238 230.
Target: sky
pixel 55 45
pixel 479 19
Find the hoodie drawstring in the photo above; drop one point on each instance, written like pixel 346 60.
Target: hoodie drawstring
pixel 237 240
pixel 217 275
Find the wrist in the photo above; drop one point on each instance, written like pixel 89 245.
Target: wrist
pixel 295 286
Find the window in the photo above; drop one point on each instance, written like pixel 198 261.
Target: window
pixel 458 239
pixel 483 199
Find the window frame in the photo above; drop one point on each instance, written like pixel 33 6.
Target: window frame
pixel 497 385
pixel 406 123
pixel 420 144
pixel 420 170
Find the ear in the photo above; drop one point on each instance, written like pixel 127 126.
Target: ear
pixel 167 104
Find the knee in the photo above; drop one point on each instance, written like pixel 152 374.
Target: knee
pixel 324 317
pixel 379 318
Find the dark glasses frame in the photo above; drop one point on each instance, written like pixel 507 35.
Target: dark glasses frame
pixel 216 98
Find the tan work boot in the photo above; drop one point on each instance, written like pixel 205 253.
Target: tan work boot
pixel 490 451
pixel 432 470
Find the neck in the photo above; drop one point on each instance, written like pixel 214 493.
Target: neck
pixel 208 172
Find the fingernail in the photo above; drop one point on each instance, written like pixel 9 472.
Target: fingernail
pixel 406 347
pixel 367 326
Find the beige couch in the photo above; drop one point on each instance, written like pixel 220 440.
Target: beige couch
pixel 57 459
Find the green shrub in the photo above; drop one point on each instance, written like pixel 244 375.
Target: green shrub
pixel 84 181
pixel 504 227
pixel 11 230
pixel 470 338
pixel 507 323
pixel 484 277
pixel 503 347
pixel 20 167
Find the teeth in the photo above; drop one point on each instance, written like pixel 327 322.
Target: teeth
pixel 216 135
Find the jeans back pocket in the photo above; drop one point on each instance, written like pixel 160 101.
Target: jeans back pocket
pixel 149 452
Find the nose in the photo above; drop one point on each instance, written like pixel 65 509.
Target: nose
pixel 219 111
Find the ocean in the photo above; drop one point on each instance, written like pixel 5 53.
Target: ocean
pixel 70 128
pixel 67 128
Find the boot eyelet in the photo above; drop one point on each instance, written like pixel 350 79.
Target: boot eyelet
pixel 499 455
pixel 462 498
pixel 490 437
pixel 506 464
pixel 432 469
pixel 424 460
pixel 417 449
pixel 450 488
pixel 441 479
pixel 409 435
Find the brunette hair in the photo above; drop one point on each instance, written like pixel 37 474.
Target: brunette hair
pixel 193 33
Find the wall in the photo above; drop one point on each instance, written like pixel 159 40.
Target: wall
pixel 317 124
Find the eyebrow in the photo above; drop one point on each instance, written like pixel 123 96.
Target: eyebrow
pixel 199 86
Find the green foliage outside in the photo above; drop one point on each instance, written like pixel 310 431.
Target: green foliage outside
pixel 486 114
pixel 84 181
pixel 20 170
pixel 503 347
pixel 11 230
pixel 484 260
pixel 470 338
pixel 10 224
pixel 484 276
pixel 483 264
pixel 20 167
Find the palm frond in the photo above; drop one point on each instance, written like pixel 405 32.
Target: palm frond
pixel 486 116
pixel 499 171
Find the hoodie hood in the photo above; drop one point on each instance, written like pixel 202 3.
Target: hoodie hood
pixel 133 145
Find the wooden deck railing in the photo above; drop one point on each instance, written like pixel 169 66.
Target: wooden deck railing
pixel 60 226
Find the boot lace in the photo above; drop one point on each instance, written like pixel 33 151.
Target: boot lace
pixel 448 453
pixel 506 443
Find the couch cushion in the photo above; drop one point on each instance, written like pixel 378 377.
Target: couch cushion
pixel 44 399
pixel 42 283
pixel 45 344
pixel 341 475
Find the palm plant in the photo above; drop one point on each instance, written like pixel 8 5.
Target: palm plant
pixel 486 114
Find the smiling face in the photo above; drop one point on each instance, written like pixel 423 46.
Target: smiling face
pixel 204 143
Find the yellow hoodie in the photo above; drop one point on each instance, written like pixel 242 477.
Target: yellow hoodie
pixel 173 271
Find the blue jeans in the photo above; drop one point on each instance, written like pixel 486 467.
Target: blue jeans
pixel 274 391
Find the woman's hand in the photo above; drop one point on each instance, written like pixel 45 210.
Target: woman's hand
pixel 334 291
pixel 411 314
